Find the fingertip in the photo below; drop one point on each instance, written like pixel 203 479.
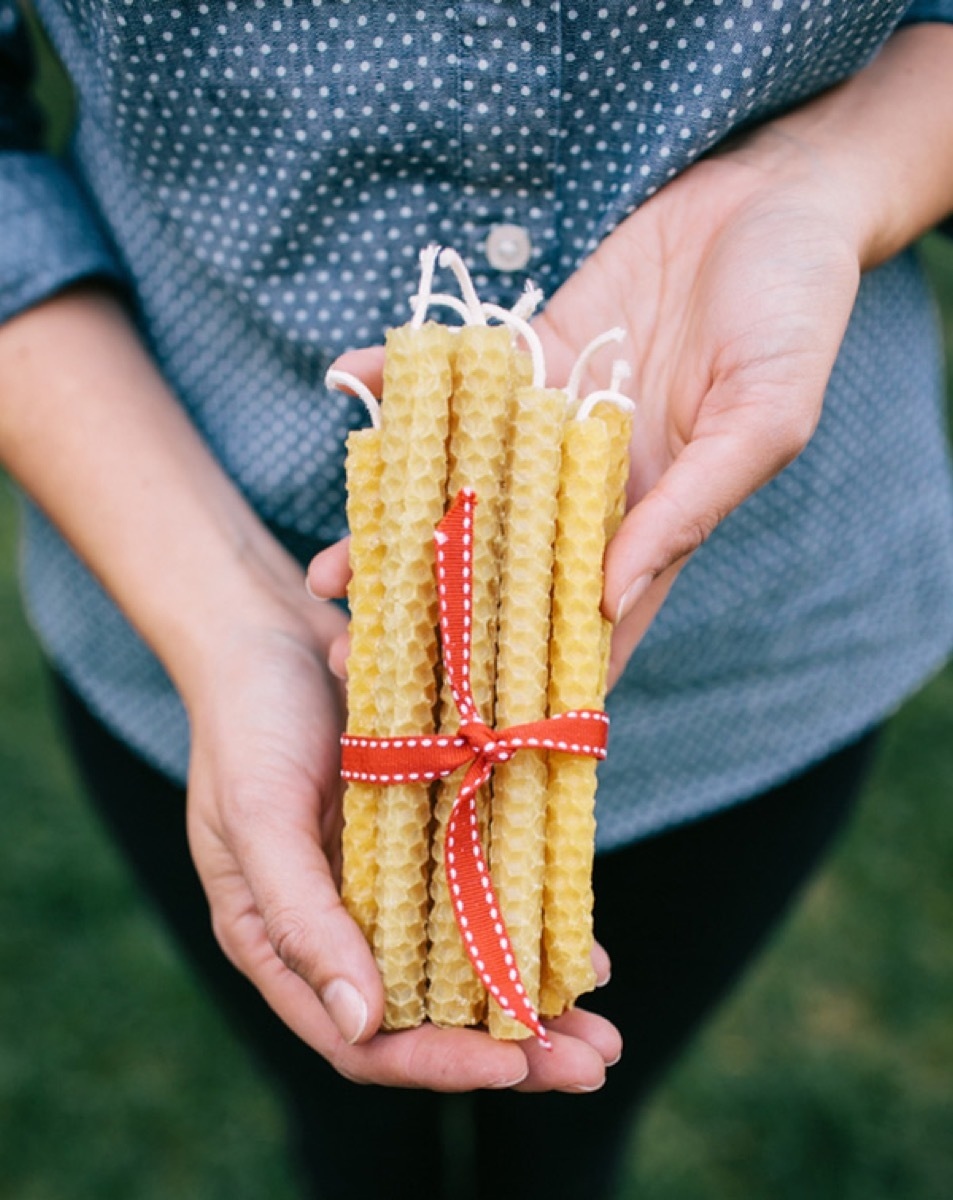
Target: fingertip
pixel 329 572
pixel 337 657
pixel 367 363
pixel 347 1007
pixel 309 588
pixel 509 1079
pixel 632 593
pixel 596 1032
pixel 601 963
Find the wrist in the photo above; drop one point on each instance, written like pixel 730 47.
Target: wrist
pixel 876 151
pixel 248 590
pixel 94 434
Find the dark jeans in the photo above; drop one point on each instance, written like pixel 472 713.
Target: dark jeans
pixel 681 914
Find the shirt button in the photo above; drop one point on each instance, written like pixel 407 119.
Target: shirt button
pixel 508 247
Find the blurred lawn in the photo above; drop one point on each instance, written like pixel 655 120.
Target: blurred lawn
pixel 829 1075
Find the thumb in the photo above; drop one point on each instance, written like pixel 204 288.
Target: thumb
pixel 744 445
pixel 293 930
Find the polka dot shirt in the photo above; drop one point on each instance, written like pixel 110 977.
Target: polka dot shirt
pixel 260 175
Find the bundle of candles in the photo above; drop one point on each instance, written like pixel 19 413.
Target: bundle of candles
pixel 502 670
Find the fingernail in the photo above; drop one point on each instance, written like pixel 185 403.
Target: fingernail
pixel 582 1089
pixel 312 593
pixel 346 1007
pixel 601 983
pixel 632 594
pixel 617 1059
pixel 508 1083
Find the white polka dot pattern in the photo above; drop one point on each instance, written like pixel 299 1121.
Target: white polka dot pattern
pixel 266 171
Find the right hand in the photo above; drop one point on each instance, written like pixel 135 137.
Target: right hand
pixel 264 822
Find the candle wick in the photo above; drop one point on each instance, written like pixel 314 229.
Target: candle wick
pixel 528 303
pixel 621 371
pixel 428 261
pixel 448 301
pixel 508 317
pixel 344 381
pixel 450 258
pixel 582 362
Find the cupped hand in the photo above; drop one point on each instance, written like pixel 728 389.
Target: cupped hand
pixel 734 285
pixel 264 819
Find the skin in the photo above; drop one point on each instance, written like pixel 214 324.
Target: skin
pixel 734 283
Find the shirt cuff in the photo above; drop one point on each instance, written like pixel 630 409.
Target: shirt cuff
pixel 49 237
pixel 928 10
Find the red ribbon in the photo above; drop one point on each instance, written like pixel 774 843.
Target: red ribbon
pixel 423 758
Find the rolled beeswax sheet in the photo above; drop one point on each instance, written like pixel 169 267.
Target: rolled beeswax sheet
pixel 576 674
pixel 414 431
pixel 365 598
pixel 518 826
pixel 479 419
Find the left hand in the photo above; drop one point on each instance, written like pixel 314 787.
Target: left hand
pixel 734 284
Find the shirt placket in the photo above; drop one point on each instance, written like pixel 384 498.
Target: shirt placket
pixel 508 120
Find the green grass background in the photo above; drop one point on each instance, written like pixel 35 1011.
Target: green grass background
pixel 828 1075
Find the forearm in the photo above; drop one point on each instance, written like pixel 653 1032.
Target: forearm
pixel 881 143
pixel 90 430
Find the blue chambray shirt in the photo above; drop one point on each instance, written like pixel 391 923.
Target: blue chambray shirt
pixel 260 175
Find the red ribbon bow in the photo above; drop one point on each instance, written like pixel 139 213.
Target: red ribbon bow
pixel 421 759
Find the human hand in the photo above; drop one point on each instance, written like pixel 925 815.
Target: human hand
pixel 734 285
pixel 264 825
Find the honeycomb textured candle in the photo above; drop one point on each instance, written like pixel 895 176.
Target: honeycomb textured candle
pixel 576 672
pixel 518 827
pixel 478 429
pixel 365 598
pixel 414 433
pixel 618 422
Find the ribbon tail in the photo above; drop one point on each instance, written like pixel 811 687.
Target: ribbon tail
pixel 476 909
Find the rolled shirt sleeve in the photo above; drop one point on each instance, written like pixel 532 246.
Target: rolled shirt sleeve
pixel 49 235
pixel 928 10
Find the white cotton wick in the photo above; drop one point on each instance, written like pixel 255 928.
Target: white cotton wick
pixel 437 299
pixel 428 262
pixel 605 396
pixel 582 362
pixel 450 258
pixel 529 335
pixel 343 381
pixel 528 303
pixel 621 371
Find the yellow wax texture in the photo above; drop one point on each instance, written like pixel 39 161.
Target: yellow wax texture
pixel 414 432
pixel 518 826
pixel 479 418
pixel 618 422
pixel 576 681
pixel 365 599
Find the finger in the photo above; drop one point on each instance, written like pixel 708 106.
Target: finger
pixel 329 572
pixel 744 445
pixel 302 917
pixel 439 1059
pixel 631 629
pixel 595 1030
pixel 601 964
pixel 571 1065
pixel 367 364
pixel 444 1060
pixel 337 656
